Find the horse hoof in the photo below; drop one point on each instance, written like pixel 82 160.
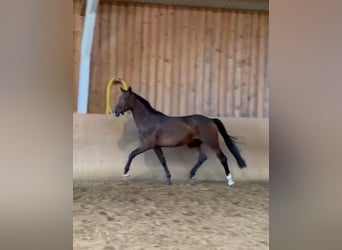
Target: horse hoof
pixel 230 180
pixel 192 180
pixel 231 183
pixel 126 175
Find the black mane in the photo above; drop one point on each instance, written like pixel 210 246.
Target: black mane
pixel 146 104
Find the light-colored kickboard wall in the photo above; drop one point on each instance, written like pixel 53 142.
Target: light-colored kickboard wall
pixel 102 144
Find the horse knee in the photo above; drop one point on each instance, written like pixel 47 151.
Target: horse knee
pixel 203 158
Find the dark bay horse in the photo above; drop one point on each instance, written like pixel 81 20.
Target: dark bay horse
pixel 157 130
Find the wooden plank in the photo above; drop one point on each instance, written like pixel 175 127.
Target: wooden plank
pixel 184 62
pixel 261 62
pixel 121 43
pixel 82 7
pixel 113 41
pixel 254 67
pixel 223 63
pixel 114 51
pixel 137 49
pixel 200 41
pixel 176 65
pixel 231 65
pixel 168 61
pixel 215 69
pixel 160 58
pixel 208 61
pixel 104 64
pixel 153 56
pixel 129 40
pixel 104 34
pixel 238 68
pixel 145 51
pixel 95 74
pixel 246 61
pixel 123 27
pixel 192 46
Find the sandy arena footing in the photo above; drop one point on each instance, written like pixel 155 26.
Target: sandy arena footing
pixel 147 214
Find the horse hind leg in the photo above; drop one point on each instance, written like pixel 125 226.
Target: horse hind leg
pixel 223 159
pixel 212 141
pixel 202 157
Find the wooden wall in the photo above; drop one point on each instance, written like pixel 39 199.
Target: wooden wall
pixel 183 60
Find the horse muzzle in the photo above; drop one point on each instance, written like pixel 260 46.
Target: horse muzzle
pixel 117 112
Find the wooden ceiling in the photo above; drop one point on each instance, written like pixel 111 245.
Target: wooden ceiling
pixel 261 5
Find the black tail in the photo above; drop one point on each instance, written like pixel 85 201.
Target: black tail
pixel 229 140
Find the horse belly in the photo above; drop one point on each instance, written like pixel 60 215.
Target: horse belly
pixel 173 139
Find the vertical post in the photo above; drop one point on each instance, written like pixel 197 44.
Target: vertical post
pixel 87 41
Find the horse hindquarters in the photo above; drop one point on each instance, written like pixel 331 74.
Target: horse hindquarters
pixel 209 135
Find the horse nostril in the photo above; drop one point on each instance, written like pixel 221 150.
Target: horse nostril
pixel 116 112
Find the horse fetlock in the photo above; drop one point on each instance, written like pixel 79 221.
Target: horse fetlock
pixel 230 180
pixel 168 181
pixel 126 172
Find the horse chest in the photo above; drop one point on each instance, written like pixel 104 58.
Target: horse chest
pixel 146 133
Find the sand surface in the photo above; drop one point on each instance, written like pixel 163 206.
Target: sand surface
pixel 131 214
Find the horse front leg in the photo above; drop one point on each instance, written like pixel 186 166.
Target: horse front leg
pixel 132 155
pixel 162 160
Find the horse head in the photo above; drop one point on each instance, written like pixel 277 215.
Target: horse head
pixel 126 99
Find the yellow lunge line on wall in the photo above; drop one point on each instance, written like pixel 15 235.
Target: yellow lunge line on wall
pixel 109 91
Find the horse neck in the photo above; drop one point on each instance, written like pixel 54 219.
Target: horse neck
pixel 141 113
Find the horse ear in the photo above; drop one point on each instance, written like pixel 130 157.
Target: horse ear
pixel 130 89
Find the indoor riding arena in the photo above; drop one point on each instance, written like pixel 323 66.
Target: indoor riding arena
pixel 184 57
